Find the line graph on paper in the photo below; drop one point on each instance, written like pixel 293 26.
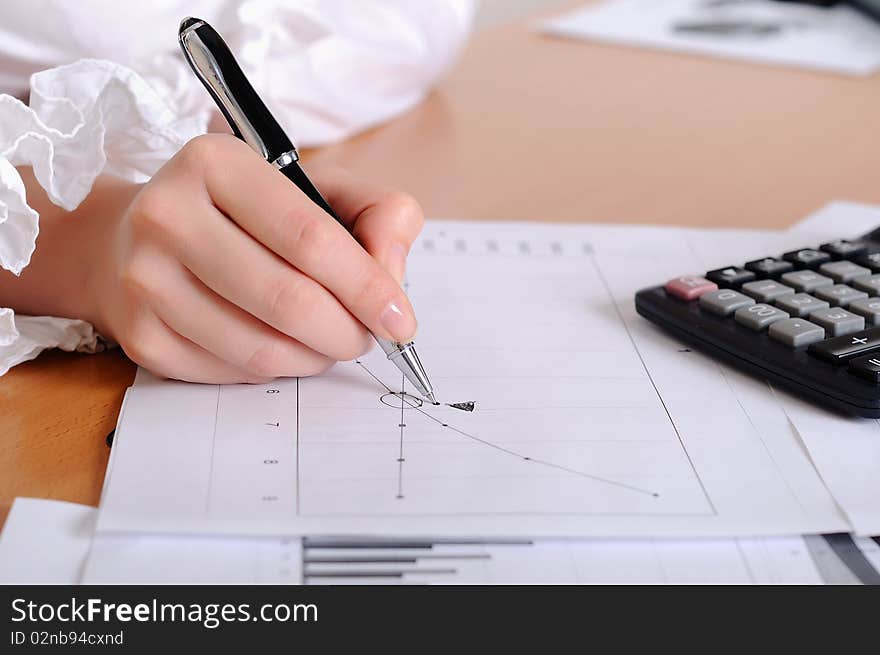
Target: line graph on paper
pixel 412 403
pixel 556 428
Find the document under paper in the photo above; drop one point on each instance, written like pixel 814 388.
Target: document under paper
pixel 44 541
pixel 836 39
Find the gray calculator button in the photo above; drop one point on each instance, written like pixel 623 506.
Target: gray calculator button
pixel 840 294
pixel 871 284
pixel 837 321
pixel 867 307
pixel 806 281
pixel 843 271
pixel 724 301
pixel 759 316
pixel 796 332
pixel 766 290
pixel 800 304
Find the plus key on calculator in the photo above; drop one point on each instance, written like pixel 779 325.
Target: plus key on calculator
pixel 807 319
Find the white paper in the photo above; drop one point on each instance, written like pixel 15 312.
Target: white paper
pixel 846 451
pixel 590 421
pixel 156 559
pixel 837 39
pixel 45 541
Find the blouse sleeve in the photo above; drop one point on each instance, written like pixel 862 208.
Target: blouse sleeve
pixel 85 119
pixel 343 67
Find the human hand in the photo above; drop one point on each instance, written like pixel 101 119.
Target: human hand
pixel 221 270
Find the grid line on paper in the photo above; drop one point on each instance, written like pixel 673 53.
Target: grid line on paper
pixel 297 448
pixel 402 428
pixel 213 448
pixel 632 340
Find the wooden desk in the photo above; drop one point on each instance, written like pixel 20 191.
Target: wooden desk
pixel 527 127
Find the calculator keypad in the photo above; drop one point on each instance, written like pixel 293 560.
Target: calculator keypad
pixel 821 304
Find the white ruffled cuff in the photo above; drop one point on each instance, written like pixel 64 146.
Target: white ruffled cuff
pixel 85 119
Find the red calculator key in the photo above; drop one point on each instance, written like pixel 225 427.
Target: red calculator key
pixel 689 287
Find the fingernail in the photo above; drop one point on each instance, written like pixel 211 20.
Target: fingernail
pixel 401 326
pixel 397 261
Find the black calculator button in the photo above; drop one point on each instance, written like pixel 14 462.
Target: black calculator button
pixel 869 260
pixel 807 257
pixel 841 349
pixel 731 277
pixel 867 367
pixel 771 267
pixel 843 249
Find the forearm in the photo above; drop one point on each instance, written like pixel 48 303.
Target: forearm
pixel 60 278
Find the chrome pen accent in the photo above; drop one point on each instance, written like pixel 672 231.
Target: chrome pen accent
pixel 286 158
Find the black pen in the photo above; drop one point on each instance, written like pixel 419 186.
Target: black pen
pixel 252 122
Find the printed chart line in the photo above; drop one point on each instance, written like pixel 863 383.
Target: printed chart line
pixel 416 404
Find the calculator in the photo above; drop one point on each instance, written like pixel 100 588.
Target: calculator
pixel 807 320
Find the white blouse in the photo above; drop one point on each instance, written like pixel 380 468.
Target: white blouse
pixel 114 96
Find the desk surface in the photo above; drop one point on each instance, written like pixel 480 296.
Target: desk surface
pixel 528 128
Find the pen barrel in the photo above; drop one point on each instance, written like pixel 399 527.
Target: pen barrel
pixel 295 174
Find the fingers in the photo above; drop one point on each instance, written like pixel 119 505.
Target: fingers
pixel 234 266
pixel 167 354
pixel 277 214
pixel 384 222
pixel 232 335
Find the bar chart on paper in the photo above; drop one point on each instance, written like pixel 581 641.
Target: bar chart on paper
pixel 570 435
